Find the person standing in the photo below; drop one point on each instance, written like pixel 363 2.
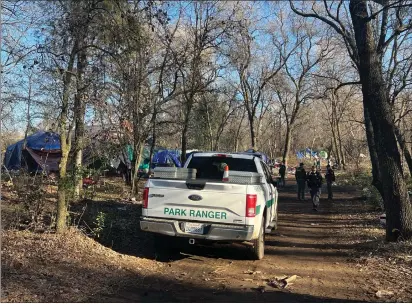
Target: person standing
pixel 282 173
pixel 314 180
pixel 300 176
pixel 330 178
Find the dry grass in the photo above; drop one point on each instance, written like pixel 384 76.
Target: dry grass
pixel 63 268
pixel 389 265
pixel 72 267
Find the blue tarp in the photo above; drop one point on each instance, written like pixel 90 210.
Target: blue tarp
pixel 40 142
pixel 300 155
pixel 166 158
pixel 307 153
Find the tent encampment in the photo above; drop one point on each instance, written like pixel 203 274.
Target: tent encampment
pixel 40 151
pixel 165 158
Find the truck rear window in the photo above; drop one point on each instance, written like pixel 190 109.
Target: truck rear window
pixel 213 167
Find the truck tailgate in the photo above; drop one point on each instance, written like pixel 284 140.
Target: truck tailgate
pixel 197 201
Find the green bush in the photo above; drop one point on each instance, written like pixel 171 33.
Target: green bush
pixel 100 224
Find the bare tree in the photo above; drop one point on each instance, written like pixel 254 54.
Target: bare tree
pixel 366 45
pixel 302 48
pixel 66 42
pixel 254 71
pixel 207 25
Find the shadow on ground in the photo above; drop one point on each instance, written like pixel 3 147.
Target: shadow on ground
pixel 157 289
pixel 120 230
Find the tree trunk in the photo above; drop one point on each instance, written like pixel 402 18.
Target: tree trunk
pixel 330 147
pixel 138 153
pixel 398 206
pixel 188 111
pixel 65 143
pixel 404 148
pixel 335 146
pixel 287 144
pixel 280 134
pixel 313 144
pixel 61 219
pixel 209 127
pixel 253 137
pixel 184 143
pixel 152 146
pixel 28 117
pixel 79 112
pixel 216 146
pixel 376 176
pixel 238 132
pixel 342 155
pixel 334 133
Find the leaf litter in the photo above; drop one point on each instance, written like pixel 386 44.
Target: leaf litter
pixel 69 267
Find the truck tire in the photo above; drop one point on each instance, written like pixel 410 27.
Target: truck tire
pixel 258 248
pixel 165 247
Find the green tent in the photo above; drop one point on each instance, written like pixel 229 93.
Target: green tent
pixel 323 154
pixel 129 152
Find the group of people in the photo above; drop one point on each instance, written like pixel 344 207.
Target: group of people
pixel 314 181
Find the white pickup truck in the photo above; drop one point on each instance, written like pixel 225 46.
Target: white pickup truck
pixel 215 196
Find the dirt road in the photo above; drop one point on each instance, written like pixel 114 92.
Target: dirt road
pixel 306 244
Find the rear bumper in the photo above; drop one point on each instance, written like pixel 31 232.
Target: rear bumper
pixel 215 232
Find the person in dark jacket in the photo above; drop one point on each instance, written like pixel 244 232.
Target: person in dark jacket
pixel 314 180
pixel 300 176
pixel 282 173
pixel 330 178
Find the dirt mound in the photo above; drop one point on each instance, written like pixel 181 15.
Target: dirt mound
pixel 63 268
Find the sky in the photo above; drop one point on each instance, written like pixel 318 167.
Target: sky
pixel 15 30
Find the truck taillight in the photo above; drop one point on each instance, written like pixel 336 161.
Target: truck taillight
pixel 145 197
pixel 221 155
pixel 251 205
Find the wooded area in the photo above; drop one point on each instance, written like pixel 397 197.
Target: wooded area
pixel 215 76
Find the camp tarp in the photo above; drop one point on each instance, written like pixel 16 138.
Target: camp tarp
pixel 42 150
pixel 47 161
pixel 323 154
pixel 166 158
pixel 12 157
pixel 300 155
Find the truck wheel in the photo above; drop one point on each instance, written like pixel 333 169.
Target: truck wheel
pixel 165 247
pixel 258 249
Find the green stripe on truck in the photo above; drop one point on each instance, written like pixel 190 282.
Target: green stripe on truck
pixel 269 204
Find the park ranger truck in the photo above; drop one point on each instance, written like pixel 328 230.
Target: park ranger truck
pixel 216 197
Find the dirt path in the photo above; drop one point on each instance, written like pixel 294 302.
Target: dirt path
pixel 307 244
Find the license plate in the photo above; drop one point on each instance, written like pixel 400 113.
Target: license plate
pixel 194 228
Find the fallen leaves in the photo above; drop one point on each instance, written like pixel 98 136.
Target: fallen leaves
pixel 282 283
pixel 70 267
pixel 384 293
pixel 223 268
pixel 251 272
